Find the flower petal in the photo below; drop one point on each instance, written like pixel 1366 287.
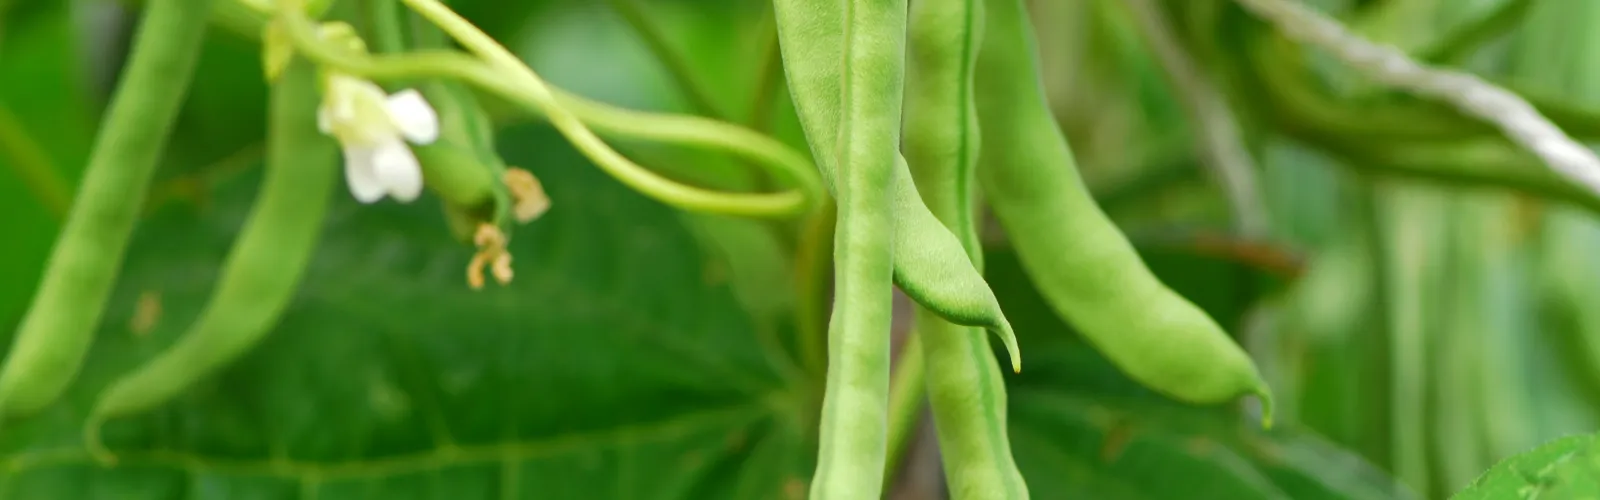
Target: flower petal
pixel 410 112
pixel 397 169
pixel 359 173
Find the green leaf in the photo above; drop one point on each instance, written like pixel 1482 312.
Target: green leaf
pixel 1565 468
pixel 610 367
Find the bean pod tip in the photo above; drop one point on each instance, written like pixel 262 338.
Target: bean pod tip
pixel 1264 394
pixel 91 440
pixel 1009 338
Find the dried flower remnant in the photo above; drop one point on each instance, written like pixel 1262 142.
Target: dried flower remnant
pixel 146 313
pixel 528 198
pixel 492 252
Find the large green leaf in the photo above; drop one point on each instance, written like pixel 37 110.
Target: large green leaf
pixel 1564 468
pixel 609 368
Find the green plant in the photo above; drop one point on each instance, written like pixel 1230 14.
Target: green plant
pixel 1362 213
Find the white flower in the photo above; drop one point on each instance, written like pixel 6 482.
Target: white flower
pixel 373 129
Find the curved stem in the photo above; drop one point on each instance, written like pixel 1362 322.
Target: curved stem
pixel 506 76
pixel 631 174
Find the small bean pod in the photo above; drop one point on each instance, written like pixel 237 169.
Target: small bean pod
pixel 462 166
pixel 854 423
pixel 265 265
pixel 965 389
pixel 1082 264
pixel 55 334
pixel 930 264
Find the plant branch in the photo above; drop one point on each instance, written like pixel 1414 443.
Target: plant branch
pixel 1517 119
pixel 30 163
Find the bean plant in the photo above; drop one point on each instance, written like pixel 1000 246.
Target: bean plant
pixel 436 267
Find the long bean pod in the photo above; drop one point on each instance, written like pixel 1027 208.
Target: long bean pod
pixel 965 389
pixel 930 264
pixel 1082 264
pixel 263 269
pixel 854 424
pixel 54 336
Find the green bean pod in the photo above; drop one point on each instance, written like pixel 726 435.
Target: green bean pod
pixel 854 426
pixel 54 336
pixel 263 269
pixel 462 166
pixel 1082 264
pixel 965 389
pixel 930 265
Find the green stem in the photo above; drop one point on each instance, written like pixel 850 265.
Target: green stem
pixel 507 77
pixel 1408 256
pixel 570 125
pixel 1470 95
pixel 1273 59
pixel 29 161
pixel 1315 118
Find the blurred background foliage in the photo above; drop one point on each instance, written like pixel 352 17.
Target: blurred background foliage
pixel 1421 299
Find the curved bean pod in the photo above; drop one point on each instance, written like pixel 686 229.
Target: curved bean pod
pixel 54 336
pixel 929 262
pixel 965 390
pixel 1082 264
pixel 263 268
